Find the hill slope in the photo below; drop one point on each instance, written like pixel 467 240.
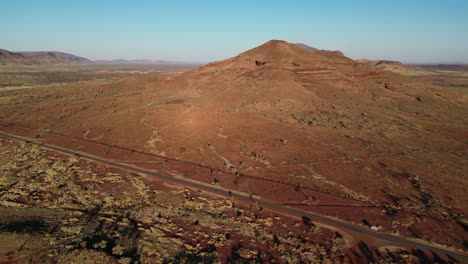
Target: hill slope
pixel 7 57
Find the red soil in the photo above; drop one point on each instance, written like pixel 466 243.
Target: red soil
pixel 282 122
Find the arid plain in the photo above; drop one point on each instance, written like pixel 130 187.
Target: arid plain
pixel 378 145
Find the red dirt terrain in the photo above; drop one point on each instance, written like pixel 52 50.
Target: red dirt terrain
pixel 295 125
pixel 57 207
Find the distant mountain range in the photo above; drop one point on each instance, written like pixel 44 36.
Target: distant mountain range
pixel 55 57
pixel 443 66
pixel 397 66
pixel 139 62
pixel 39 57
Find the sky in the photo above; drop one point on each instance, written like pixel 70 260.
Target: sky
pixel 411 31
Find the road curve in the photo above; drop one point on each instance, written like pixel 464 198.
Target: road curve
pixel 393 240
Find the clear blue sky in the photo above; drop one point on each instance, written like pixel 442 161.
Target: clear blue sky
pixel 198 30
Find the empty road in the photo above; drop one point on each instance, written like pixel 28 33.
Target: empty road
pixel 392 240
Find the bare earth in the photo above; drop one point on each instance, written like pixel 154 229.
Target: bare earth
pixel 58 208
pixel 306 128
